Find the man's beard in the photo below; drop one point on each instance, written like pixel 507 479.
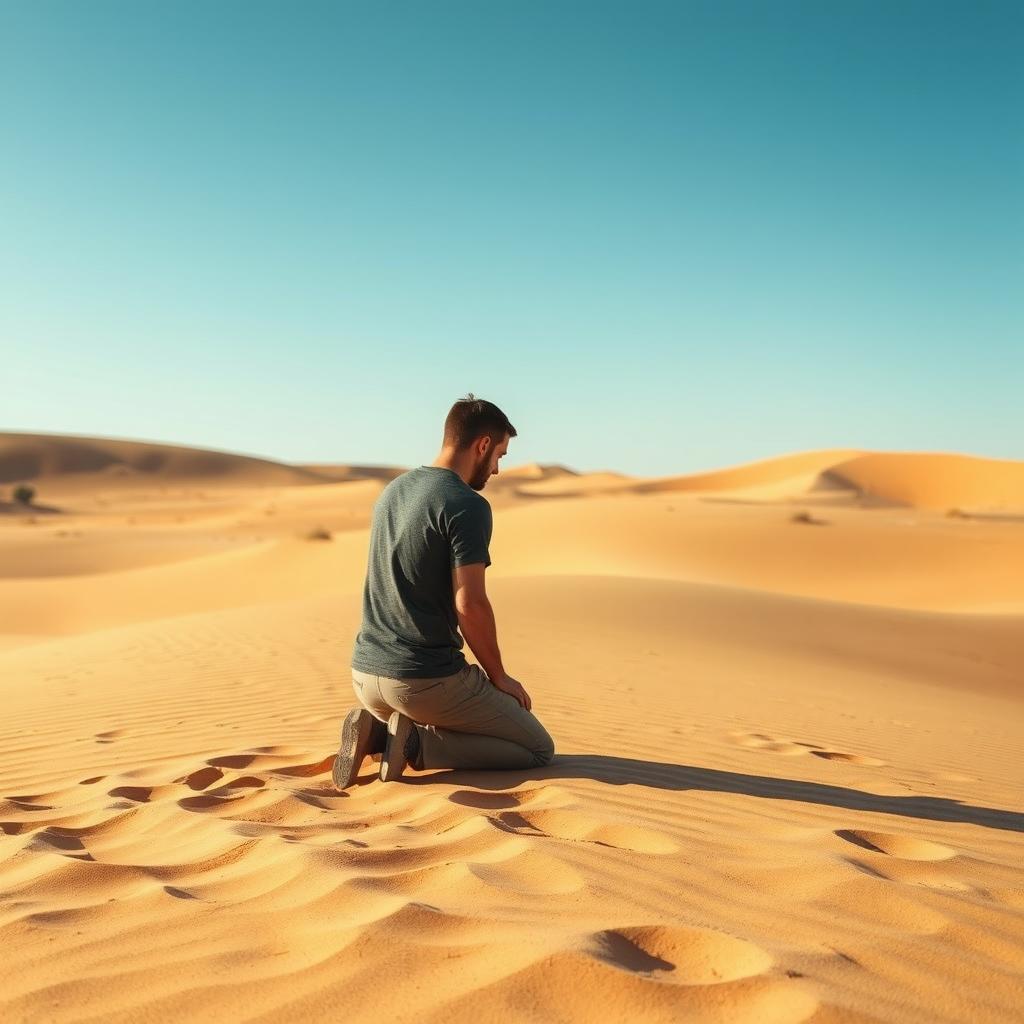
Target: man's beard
pixel 480 476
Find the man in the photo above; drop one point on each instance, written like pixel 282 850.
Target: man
pixel 422 703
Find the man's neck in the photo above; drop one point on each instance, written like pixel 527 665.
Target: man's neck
pixel 442 464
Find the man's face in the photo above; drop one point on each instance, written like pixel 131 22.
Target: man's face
pixel 487 464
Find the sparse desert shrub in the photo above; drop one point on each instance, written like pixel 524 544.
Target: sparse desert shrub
pixel 957 513
pixel 319 533
pixel 803 516
pixel 23 494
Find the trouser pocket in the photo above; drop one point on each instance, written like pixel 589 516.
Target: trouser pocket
pixel 411 690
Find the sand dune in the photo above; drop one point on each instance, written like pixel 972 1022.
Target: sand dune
pixel 67 461
pixel 801 466
pixel 787 783
pixel 339 472
pixel 938 481
pixel 924 480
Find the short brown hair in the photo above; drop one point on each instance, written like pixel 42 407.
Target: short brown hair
pixel 471 417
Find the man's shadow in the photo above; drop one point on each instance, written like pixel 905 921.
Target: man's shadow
pixel 621 771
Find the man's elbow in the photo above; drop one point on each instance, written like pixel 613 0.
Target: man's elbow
pixel 471 607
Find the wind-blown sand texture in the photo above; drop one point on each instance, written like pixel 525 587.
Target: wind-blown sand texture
pixel 786 700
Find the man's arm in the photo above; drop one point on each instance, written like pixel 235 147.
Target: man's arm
pixel 476 618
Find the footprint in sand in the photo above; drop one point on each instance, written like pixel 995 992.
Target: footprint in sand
pixel 795 748
pixel 276 759
pixel 110 735
pixel 233 761
pixel 69 845
pixel 762 741
pixel 892 844
pixel 28 803
pixel 663 973
pixel 209 801
pixel 861 759
pixel 137 794
pixel 179 894
pixel 202 778
pixel 524 873
pixel 685 956
pixel 550 796
pixel 554 823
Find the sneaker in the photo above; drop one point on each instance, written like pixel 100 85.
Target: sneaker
pixel 361 734
pixel 402 747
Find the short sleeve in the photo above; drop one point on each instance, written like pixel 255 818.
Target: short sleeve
pixel 469 531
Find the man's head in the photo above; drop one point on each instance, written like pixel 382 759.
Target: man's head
pixel 476 435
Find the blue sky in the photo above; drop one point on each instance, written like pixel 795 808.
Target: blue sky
pixel 662 237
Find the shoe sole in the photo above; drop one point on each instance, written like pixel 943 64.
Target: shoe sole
pixel 355 742
pixel 392 761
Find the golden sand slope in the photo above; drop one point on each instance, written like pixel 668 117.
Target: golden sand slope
pixel 787 783
pixel 924 480
pixel 936 480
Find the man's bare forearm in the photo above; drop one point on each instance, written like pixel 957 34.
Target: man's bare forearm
pixel 480 631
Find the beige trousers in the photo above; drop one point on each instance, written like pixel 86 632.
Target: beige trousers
pixel 463 720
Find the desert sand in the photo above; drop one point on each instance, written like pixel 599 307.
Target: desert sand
pixel 786 699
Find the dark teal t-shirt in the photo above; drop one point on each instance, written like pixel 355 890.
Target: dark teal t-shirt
pixel 425 522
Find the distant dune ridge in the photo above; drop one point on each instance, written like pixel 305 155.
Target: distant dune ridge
pixel 786 699
pixel 915 479
pixel 73 460
pixel 929 480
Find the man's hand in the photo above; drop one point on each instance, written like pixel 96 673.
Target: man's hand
pixel 512 686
